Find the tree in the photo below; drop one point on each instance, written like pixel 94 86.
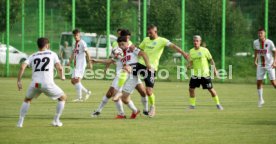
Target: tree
pixel 204 17
pixel 260 21
pixel 91 15
pixel 166 15
pixel 15 7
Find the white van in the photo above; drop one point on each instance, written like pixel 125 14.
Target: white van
pixel 96 45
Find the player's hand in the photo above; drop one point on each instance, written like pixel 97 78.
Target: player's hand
pixel 19 85
pixel 186 56
pixel 150 68
pixel 93 60
pixel 215 73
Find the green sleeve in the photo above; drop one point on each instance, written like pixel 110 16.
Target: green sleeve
pixel 142 45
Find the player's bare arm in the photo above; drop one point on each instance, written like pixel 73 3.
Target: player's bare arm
pixel 256 58
pixel 20 74
pixel 274 61
pixel 88 59
pixel 71 59
pixel 60 71
pixel 146 59
pixel 190 64
pixel 212 62
pixel 178 49
pixel 105 61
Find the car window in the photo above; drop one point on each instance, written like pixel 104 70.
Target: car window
pixel 102 42
pixel 90 40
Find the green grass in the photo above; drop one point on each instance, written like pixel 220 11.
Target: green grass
pixel 241 121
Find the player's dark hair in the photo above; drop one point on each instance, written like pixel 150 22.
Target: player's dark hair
pixel 119 29
pixel 75 31
pixel 261 29
pixel 152 26
pixel 42 42
pixel 122 39
pixel 125 32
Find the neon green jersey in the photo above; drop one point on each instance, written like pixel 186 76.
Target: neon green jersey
pixel 115 44
pixel 154 49
pixel 200 59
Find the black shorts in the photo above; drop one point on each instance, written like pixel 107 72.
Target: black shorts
pixel 206 82
pixel 149 76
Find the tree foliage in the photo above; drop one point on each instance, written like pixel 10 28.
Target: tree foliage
pixel 15 7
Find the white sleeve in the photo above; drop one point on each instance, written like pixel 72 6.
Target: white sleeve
pixel 168 43
pixel 28 61
pixel 272 46
pixel 136 51
pixel 84 46
pixel 254 45
pixel 56 59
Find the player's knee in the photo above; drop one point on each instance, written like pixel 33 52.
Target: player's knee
pixel 110 93
pixel 27 100
pixel 62 98
pixel 72 81
pixel 125 100
pixel 115 99
pixel 149 92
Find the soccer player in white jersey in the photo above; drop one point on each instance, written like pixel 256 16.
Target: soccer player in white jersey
pixel 265 61
pixel 81 57
pixel 42 64
pixel 114 88
pixel 131 55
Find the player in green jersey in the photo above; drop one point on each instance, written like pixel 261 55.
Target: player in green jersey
pixel 153 46
pixel 199 62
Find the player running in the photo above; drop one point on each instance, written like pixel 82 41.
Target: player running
pixel 153 46
pixel 80 56
pixel 42 64
pixel 199 62
pixel 130 60
pixel 265 61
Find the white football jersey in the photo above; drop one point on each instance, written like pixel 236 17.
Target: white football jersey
pixel 79 55
pixel 264 52
pixel 131 57
pixel 43 65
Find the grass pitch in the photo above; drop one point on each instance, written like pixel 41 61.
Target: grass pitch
pixel 241 121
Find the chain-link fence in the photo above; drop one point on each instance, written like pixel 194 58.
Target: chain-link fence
pixel 55 19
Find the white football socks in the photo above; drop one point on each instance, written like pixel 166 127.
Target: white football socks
pixel 260 93
pixel 60 107
pixel 102 104
pixel 132 106
pixel 119 106
pixel 144 101
pixel 24 109
pixel 78 88
pixel 83 88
